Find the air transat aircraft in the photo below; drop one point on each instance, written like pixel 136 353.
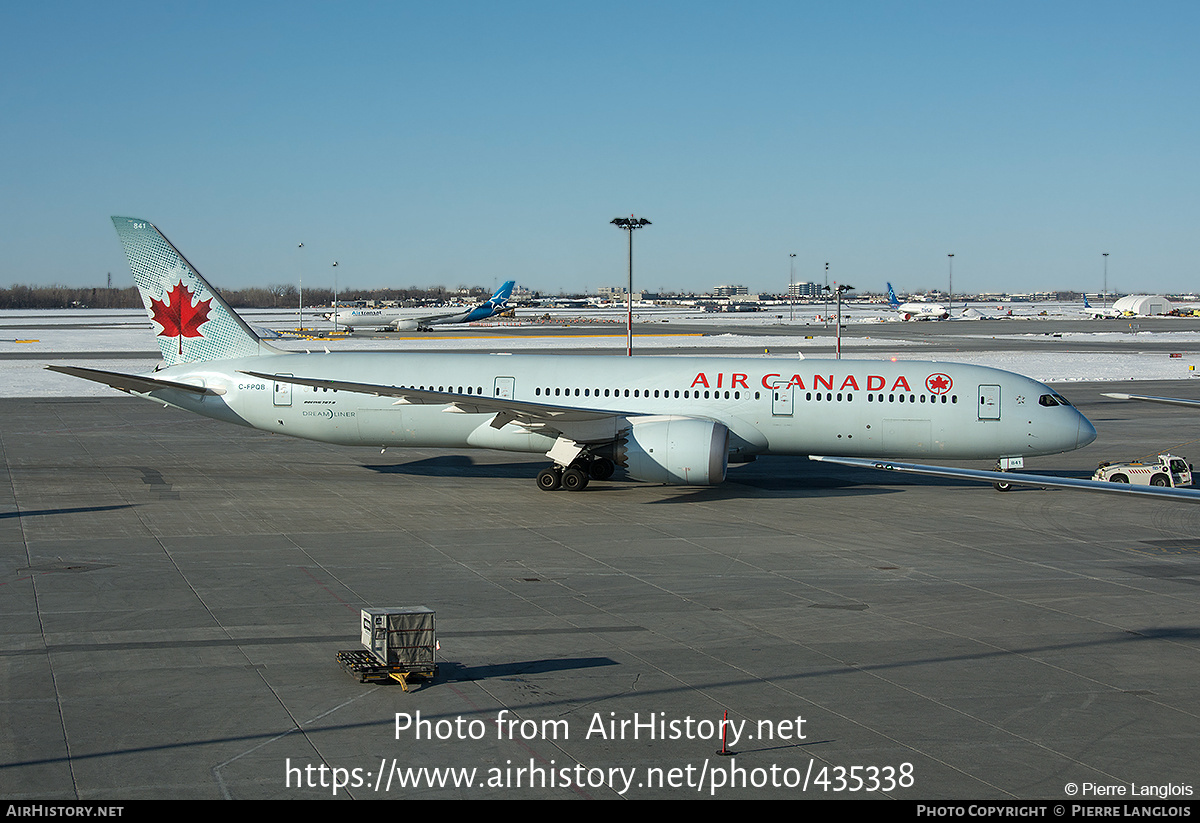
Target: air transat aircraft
pixel 916 311
pixel 1098 313
pixel 673 420
pixel 405 320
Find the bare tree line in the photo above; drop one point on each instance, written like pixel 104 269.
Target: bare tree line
pixel 271 297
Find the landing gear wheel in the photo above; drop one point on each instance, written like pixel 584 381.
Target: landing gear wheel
pixel 1001 485
pixel 549 479
pixel 574 480
pixel 601 468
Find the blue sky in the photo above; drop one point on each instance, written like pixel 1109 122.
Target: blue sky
pixel 474 142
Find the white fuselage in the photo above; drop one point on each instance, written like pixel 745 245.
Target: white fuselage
pixel 396 318
pixel 770 406
pixel 922 311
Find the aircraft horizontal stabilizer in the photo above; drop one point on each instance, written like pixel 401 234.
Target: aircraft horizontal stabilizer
pixel 136 383
pixel 1015 478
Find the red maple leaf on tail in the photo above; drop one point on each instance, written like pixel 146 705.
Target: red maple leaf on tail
pixel 177 316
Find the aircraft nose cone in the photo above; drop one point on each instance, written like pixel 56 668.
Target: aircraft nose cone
pixel 1087 432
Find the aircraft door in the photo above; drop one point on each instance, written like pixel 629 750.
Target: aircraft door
pixel 283 392
pixel 505 386
pixel 989 402
pixel 781 400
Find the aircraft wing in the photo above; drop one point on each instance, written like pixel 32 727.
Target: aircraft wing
pixel 580 424
pixel 1171 401
pixel 435 319
pixel 138 383
pixel 1016 478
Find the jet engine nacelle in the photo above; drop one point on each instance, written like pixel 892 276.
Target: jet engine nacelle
pixel 681 451
pixel 407 325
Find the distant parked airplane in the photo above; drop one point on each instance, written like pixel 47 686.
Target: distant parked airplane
pixel 1097 313
pixel 916 311
pixel 410 320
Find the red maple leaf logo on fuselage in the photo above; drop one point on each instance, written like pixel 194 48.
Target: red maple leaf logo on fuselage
pixel 177 316
pixel 938 383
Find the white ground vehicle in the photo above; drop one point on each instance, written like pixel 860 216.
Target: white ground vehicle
pixel 1169 470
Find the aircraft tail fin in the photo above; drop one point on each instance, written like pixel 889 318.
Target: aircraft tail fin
pixel 892 301
pixel 1086 304
pixel 503 293
pixel 194 322
pixel 495 304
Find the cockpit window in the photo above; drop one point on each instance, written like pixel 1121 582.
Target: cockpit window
pixel 1047 400
pixel 1064 401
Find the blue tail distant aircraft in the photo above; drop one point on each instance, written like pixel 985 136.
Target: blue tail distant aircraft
pixel 1098 313
pixel 916 311
pixel 407 320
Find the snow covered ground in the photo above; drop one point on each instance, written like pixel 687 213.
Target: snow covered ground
pixel 57 334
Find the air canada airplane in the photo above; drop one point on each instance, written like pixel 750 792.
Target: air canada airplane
pixel 671 420
pixel 916 311
pixel 405 320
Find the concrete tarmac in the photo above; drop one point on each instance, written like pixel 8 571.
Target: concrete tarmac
pixel 173 592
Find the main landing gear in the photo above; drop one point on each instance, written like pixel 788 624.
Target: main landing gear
pixel 575 478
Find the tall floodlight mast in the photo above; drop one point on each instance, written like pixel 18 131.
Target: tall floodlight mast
pixel 1104 302
pixel 629 224
pixel 950 311
pixel 791 289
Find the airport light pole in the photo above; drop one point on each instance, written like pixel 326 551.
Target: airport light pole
pixel 840 289
pixel 335 307
pixel 630 224
pixel 826 290
pixel 950 311
pixel 1105 301
pixel 791 284
pixel 301 292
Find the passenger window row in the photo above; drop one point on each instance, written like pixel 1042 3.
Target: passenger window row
pixel 829 397
pixel 686 394
pixel 452 390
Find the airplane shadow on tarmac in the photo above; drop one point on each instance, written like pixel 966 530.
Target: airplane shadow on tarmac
pixel 460 465
pixel 794 477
